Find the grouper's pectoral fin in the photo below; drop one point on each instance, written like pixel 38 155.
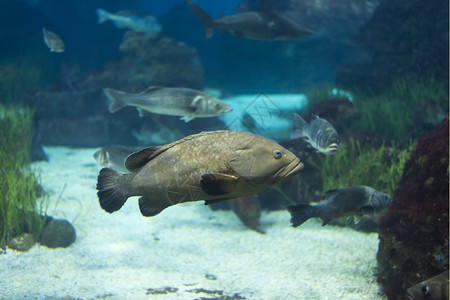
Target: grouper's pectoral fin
pixel 218 184
pixel 149 208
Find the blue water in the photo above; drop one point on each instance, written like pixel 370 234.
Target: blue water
pixel 358 49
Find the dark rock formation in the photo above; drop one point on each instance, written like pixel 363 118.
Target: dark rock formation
pixel 414 232
pixel 336 19
pixel 409 38
pixel 58 233
pixel 148 60
pixel 74 111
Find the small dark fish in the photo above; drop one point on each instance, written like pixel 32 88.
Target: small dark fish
pixel 113 157
pixel 248 211
pixel 212 166
pixel 263 24
pixel 343 202
pixel 319 133
pixel 184 102
pixel 435 288
pixel 135 21
pixel 53 41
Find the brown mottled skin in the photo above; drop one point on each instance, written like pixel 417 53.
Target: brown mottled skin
pixel 215 165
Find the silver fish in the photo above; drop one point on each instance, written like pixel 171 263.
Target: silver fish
pixel 263 24
pixel 212 166
pixel 343 202
pixel 435 288
pixel 113 157
pixel 53 41
pixel 130 20
pixel 183 102
pixel 319 133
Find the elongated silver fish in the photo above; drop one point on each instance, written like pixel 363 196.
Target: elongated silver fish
pixel 113 157
pixel 53 41
pixel 135 21
pixel 183 102
pixel 343 202
pixel 435 288
pixel 263 24
pixel 319 133
pixel 211 166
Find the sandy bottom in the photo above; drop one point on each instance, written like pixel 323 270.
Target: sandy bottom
pixel 186 252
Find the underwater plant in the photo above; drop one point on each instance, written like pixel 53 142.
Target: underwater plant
pixel 395 112
pixel 22 207
pixel 354 164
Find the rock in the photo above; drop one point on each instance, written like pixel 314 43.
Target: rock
pixel 58 233
pixel 23 242
pixel 148 61
pixel 414 233
pixel 409 38
pixel 74 132
pixel 74 111
pixel 336 19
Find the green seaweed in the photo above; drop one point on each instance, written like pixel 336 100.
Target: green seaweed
pixel 356 165
pixel 22 205
pixel 391 113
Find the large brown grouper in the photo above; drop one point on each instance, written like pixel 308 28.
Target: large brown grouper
pixel 211 166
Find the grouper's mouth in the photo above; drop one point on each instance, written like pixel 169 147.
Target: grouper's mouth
pixel 292 168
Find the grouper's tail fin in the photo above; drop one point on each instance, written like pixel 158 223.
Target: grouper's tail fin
pixel 115 99
pixel 300 213
pixel 110 196
pixel 207 21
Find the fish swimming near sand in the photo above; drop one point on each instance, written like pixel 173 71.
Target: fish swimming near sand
pixel 263 24
pixel 343 202
pixel 184 102
pixel 435 288
pixel 113 157
pixel 248 211
pixel 53 41
pixel 212 166
pixel 319 133
pixel 127 19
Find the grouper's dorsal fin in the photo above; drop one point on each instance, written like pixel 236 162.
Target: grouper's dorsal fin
pixel 138 159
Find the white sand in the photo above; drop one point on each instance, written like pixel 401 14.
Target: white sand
pixel 122 255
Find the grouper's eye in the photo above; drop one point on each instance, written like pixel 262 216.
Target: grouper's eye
pixel 277 154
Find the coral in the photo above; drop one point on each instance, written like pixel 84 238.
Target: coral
pixel 415 230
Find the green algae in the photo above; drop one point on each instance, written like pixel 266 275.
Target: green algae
pixel 354 164
pixel 22 203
